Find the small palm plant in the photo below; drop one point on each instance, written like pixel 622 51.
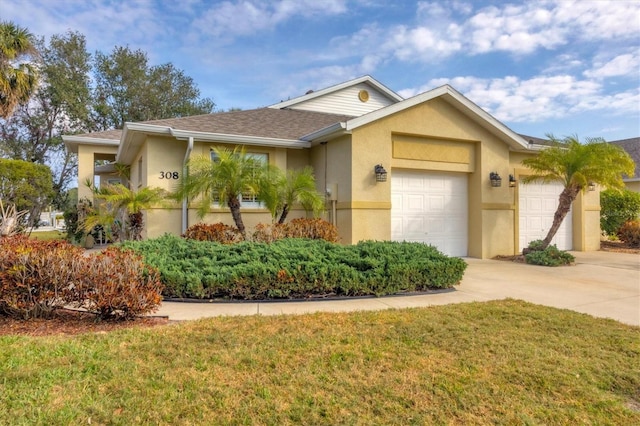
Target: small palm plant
pixel 576 166
pixel 121 208
pixel 279 191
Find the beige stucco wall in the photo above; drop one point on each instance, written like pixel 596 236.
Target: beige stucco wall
pixel 432 136
pixel 633 186
pixel 87 154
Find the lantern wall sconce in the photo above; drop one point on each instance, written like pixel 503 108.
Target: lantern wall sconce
pixel 512 181
pixel 495 179
pixel 381 173
pixel 592 186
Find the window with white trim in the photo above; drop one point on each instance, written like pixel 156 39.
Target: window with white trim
pixel 247 200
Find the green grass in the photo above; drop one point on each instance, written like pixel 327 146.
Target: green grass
pixel 48 235
pixel 505 362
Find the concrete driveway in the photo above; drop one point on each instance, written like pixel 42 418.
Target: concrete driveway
pixel 602 284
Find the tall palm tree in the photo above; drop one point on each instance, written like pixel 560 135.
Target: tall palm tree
pixel 17 80
pixel 121 204
pixel 577 165
pixel 280 191
pixel 223 180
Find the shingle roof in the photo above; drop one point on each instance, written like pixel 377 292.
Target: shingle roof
pixel 632 146
pixel 262 122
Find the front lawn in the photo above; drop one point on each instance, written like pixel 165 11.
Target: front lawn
pixel 504 362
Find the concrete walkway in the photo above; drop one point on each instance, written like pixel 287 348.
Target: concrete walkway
pixel 602 284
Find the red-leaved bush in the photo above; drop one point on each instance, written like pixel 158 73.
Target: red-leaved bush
pixel 38 277
pixel 629 232
pixel 118 285
pixel 313 229
pixel 218 232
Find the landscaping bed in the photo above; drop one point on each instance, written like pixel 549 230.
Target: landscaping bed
pixel 295 268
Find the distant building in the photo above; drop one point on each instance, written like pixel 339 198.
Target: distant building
pixel 632 146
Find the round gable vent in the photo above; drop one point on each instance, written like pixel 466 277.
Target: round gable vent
pixel 363 95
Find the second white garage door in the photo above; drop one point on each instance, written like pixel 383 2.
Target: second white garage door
pixel 538 203
pixel 432 208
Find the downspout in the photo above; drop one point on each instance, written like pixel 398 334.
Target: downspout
pixel 185 203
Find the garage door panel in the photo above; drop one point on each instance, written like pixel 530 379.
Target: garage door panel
pixel 538 203
pixel 430 207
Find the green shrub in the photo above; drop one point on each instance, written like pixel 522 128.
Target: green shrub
pixel 38 277
pixel 551 256
pixel 616 208
pixel 630 233
pixel 218 232
pixel 313 229
pixel 295 268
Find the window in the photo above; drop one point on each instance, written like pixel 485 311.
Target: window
pixel 139 172
pixel 247 199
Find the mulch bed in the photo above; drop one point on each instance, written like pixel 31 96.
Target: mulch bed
pixel 613 246
pixel 68 322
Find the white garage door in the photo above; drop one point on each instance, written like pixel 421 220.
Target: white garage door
pixel 430 207
pixel 538 203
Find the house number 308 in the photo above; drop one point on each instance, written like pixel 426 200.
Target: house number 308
pixel 169 175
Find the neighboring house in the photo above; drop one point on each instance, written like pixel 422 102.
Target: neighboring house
pixel 438 149
pixel 632 146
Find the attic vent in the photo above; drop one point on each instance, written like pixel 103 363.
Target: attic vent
pixel 363 95
pixel 309 92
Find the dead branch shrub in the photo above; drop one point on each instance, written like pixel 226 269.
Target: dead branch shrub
pixel 313 229
pixel 629 233
pixel 37 277
pixel 118 285
pixel 217 232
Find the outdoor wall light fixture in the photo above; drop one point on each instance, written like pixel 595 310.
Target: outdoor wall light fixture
pixel 381 173
pixel 592 186
pixel 512 181
pixel 495 179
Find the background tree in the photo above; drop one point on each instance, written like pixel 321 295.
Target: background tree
pixel 61 105
pixel 80 93
pixel 128 89
pixel 575 165
pixel 222 180
pixel 18 77
pixel 26 185
pixel 280 191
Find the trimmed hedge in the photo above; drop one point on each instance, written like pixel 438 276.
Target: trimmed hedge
pixel 295 268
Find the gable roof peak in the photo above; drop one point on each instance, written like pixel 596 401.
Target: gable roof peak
pixel 313 94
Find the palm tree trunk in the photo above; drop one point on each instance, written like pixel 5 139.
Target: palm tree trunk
pixel 283 216
pixel 567 196
pixel 234 206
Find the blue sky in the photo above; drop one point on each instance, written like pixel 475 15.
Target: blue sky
pixel 561 67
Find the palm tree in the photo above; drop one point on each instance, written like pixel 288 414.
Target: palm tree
pixel 577 165
pixel 17 81
pixel 279 191
pixel 223 180
pixel 124 206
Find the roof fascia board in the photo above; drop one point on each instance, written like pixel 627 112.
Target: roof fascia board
pixel 72 142
pixel 326 133
pixel 365 79
pixel 241 139
pixel 515 140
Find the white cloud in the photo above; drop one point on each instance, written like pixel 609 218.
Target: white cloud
pixel 512 99
pixel 247 17
pixel 622 65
